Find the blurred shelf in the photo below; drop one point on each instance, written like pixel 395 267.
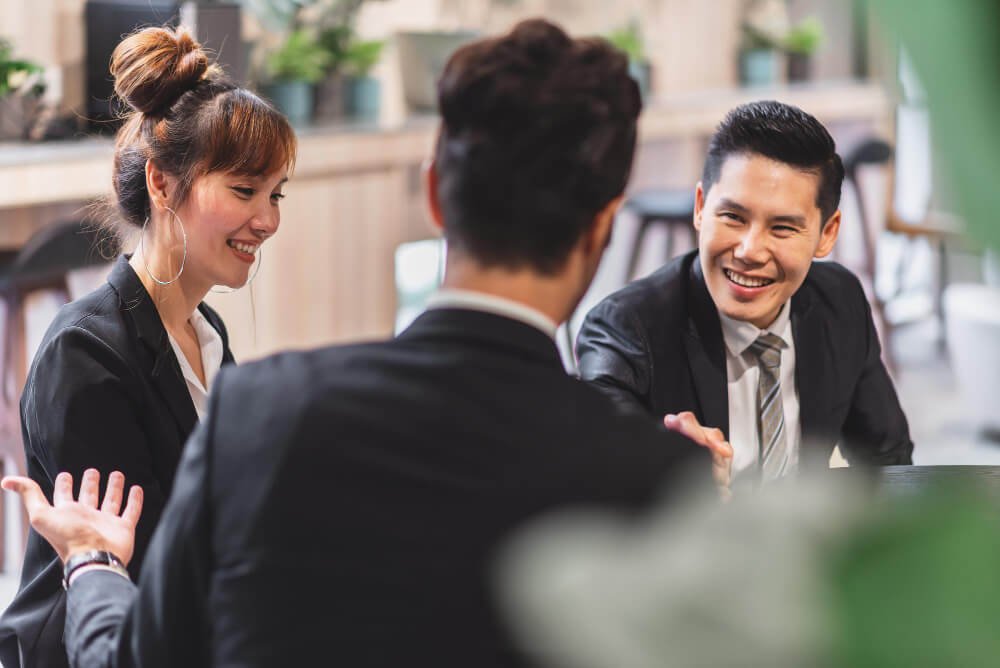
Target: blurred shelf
pixel 44 173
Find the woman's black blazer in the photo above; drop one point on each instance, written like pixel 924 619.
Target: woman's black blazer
pixel 105 390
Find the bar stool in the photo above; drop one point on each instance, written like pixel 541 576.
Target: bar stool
pixel 44 263
pixel 671 208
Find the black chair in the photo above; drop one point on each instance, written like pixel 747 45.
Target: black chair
pixel 671 208
pixel 44 263
pixel 871 152
pixel 868 153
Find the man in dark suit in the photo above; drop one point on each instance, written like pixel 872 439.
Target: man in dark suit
pixel 344 506
pixel 748 333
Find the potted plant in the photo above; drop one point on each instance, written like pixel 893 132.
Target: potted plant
pixel 21 88
pixel 760 58
pixel 331 96
pixel 292 70
pixel 799 45
pixel 765 24
pixel 362 89
pixel 629 40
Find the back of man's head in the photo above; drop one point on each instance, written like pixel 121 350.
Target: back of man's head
pixel 537 136
pixel 782 133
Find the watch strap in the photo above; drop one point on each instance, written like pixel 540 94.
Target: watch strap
pixel 91 557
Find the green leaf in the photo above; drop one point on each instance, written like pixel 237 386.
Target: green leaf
pixel 628 39
pixel 805 37
pixel 300 58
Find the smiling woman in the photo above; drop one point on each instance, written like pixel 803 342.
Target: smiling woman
pixel 122 375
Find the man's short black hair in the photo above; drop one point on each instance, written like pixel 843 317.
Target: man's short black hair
pixel 537 135
pixel 782 133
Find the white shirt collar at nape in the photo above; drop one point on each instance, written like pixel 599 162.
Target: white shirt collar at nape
pixel 480 301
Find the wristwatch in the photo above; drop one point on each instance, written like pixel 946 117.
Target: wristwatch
pixel 89 558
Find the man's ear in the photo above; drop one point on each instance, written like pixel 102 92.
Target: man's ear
pixel 598 235
pixel 699 205
pixel 157 185
pixel 431 194
pixel 828 235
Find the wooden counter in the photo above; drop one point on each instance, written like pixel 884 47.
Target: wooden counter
pixel 356 195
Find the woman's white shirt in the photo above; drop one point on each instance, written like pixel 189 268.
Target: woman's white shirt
pixel 210 344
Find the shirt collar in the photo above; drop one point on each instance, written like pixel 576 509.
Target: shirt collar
pixel 480 301
pixel 210 345
pixel 739 334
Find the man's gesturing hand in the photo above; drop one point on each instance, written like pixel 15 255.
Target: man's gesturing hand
pixel 72 526
pixel 708 437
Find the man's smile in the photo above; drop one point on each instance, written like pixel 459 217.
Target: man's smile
pixel 745 281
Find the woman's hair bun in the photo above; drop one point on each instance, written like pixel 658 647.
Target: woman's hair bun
pixel 155 66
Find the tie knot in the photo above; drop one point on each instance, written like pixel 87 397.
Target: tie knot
pixel 767 348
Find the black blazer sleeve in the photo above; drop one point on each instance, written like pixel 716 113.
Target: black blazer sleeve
pixel 875 430
pixel 614 356
pixel 80 412
pixel 164 621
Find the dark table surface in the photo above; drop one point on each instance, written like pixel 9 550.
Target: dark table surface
pixel 906 479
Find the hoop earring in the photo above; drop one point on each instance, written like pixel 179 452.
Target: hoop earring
pixel 142 249
pixel 260 260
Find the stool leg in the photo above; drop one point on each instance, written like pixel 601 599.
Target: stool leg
pixel 640 235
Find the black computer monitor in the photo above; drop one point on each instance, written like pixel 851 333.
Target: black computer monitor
pixel 107 21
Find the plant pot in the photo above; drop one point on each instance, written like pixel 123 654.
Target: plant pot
pixel 17 114
pixel 422 57
pixel 292 98
pixel 760 67
pixel 363 94
pixel 799 67
pixel 641 71
pixel 331 98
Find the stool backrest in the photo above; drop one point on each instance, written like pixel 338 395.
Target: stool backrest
pixel 58 249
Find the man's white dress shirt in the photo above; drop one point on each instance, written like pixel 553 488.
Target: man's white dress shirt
pixel 742 375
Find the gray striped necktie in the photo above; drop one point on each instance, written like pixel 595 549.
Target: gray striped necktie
pixel 773 453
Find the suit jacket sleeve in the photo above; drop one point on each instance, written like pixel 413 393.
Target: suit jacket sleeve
pixel 80 412
pixel 164 621
pixel 875 429
pixel 614 356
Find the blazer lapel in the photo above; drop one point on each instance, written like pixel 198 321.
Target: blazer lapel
pixel 163 368
pixel 706 355
pixel 812 367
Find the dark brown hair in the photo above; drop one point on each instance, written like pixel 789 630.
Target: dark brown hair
pixel 188 118
pixel 784 134
pixel 538 131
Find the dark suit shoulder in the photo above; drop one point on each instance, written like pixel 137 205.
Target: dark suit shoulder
pixel 98 312
pixel 836 289
pixel 279 391
pixel 93 322
pixel 664 291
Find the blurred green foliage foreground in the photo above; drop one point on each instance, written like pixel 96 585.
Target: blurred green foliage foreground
pixel 955 48
pixel 826 572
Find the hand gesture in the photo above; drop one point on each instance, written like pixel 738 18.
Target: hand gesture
pixel 72 526
pixel 708 437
